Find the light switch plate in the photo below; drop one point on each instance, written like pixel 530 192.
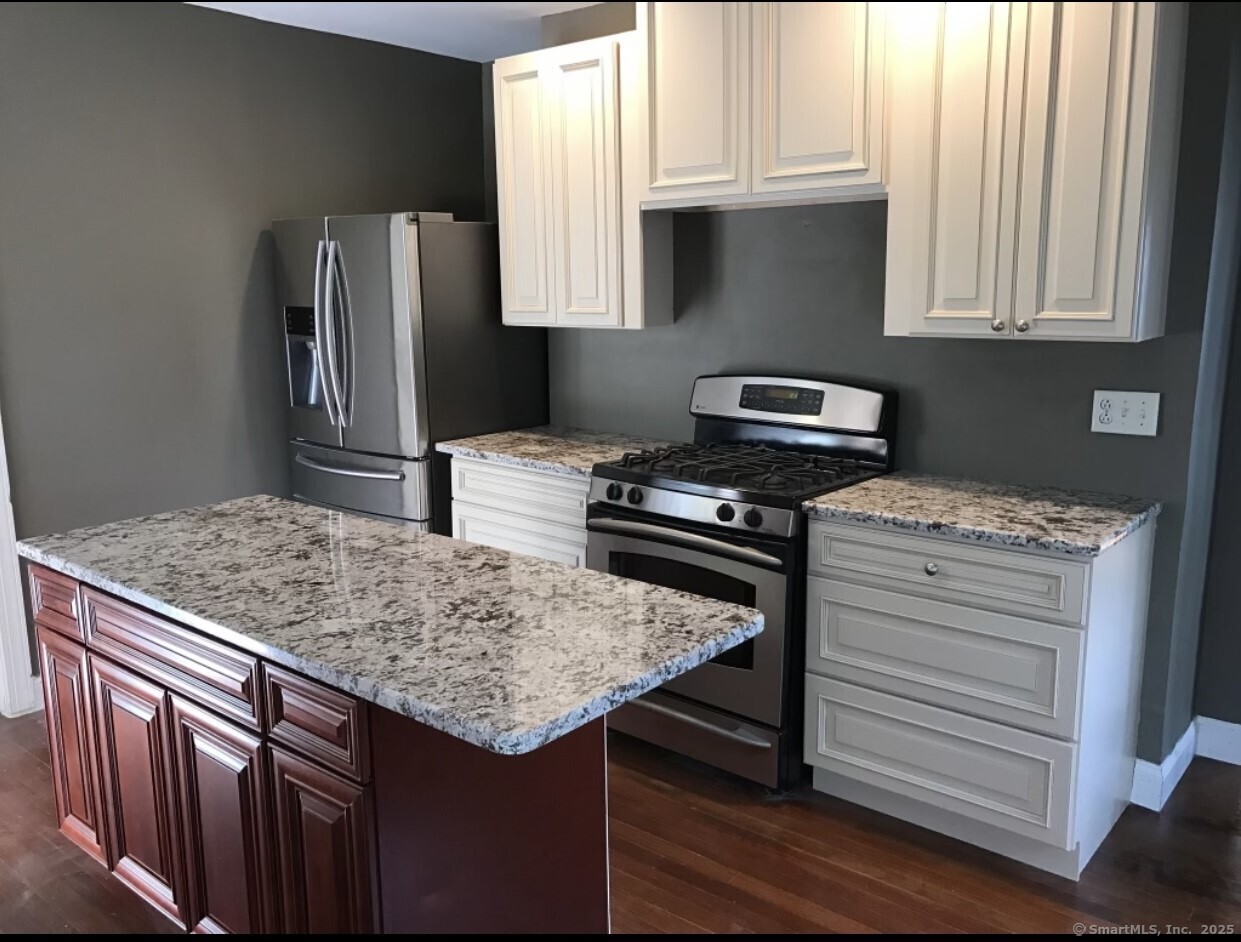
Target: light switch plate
pixel 1125 413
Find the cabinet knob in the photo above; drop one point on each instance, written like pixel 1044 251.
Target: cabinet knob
pixel 997 325
pixel 931 569
pixel 1022 326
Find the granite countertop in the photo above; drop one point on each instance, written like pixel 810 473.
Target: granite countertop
pixel 569 451
pixel 1078 523
pixel 502 650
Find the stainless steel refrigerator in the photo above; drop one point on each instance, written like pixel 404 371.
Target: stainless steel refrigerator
pixel 394 342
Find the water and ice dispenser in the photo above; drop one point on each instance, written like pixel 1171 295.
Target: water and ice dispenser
pixel 305 387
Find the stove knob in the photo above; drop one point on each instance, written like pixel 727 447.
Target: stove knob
pixel 615 491
pixel 725 512
pixel 635 495
pixel 753 518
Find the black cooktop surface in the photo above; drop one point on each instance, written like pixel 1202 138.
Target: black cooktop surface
pixel 754 472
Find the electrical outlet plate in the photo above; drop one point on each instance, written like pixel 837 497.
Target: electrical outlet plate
pixel 1125 413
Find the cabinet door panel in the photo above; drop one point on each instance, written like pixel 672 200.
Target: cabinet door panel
pixel 698 119
pixel 1082 186
pixel 230 885
pixel 323 837
pixel 71 739
pixel 524 198
pixel 139 801
pixel 951 221
pixel 818 90
pixel 580 89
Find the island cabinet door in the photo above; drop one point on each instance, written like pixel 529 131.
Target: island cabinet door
pixel 71 738
pixel 139 801
pixel 323 838
pixel 223 781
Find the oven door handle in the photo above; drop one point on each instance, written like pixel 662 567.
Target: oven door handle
pixel 744 554
pixel 743 736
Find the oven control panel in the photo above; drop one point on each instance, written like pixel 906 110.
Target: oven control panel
pixel 787 400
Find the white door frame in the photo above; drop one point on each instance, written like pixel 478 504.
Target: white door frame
pixel 20 691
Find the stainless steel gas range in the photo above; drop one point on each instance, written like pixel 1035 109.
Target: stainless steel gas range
pixel 722 518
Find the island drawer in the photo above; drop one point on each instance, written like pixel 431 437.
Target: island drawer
pixel 1000 667
pixel 217 676
pixel 1009 581
pixel 545 496
pixel 1014 780
pixel 318 721
pixel 54 602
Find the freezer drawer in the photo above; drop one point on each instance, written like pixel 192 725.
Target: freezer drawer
pixel 369 484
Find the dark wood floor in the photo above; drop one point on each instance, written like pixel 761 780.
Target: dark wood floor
pixel 694 850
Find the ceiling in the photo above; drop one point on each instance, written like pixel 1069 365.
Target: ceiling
pixel 478 31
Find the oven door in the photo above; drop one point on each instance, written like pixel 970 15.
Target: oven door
pixel 747 680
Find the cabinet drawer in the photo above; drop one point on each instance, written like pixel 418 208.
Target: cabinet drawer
pixel 1018 583
pixel 213 674
pixel 559 543
pixel 54 602
pixel 1018 781
pixel 544 496
pixel 318 721
pixel 998 667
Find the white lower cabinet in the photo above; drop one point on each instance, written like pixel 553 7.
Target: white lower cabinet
pixel 999 707
pixel 538 513
pixel 1015 780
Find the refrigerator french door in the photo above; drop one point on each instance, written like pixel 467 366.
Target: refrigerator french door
pixel 367 301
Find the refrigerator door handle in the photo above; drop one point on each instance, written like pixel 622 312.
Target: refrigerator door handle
pixel 345 312
pixel 349 472
pixel 329 321
pixel 322 340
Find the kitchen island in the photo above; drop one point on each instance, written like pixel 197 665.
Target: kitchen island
pixel 266 716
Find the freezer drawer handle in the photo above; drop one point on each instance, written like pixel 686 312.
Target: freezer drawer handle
pixel 743 736
pixel 349 472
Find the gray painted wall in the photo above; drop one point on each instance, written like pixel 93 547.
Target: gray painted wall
pixel 144 149
pixel 1218 691
pixel 601 19
pixel 800 291
pixel 1219 666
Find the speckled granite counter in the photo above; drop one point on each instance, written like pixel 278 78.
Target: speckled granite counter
pixel 569 451
pixel 1078 523
pixel 505 651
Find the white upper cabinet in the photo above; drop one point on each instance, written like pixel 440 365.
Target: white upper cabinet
pixel 523 183
pixel 1032 164
pixel 949 211
pixel 698 82
pixel 747 102
pixel 572 244
pixel 585 190
pixel 1098 169
pixel 817 95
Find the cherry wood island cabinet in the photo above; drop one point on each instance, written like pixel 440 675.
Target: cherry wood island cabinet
pixel 269 717
pixel 238 796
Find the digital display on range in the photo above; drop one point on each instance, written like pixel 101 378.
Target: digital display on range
pixel 789 400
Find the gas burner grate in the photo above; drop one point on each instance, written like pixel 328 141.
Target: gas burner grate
pixel 744 467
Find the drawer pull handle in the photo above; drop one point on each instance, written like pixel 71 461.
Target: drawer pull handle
pixel 931 569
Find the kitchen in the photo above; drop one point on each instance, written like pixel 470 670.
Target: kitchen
pixel 787 295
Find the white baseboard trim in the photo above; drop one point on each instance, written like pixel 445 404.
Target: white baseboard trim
pixel 1219 740
pixel 1210 738
pixel 1153 782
